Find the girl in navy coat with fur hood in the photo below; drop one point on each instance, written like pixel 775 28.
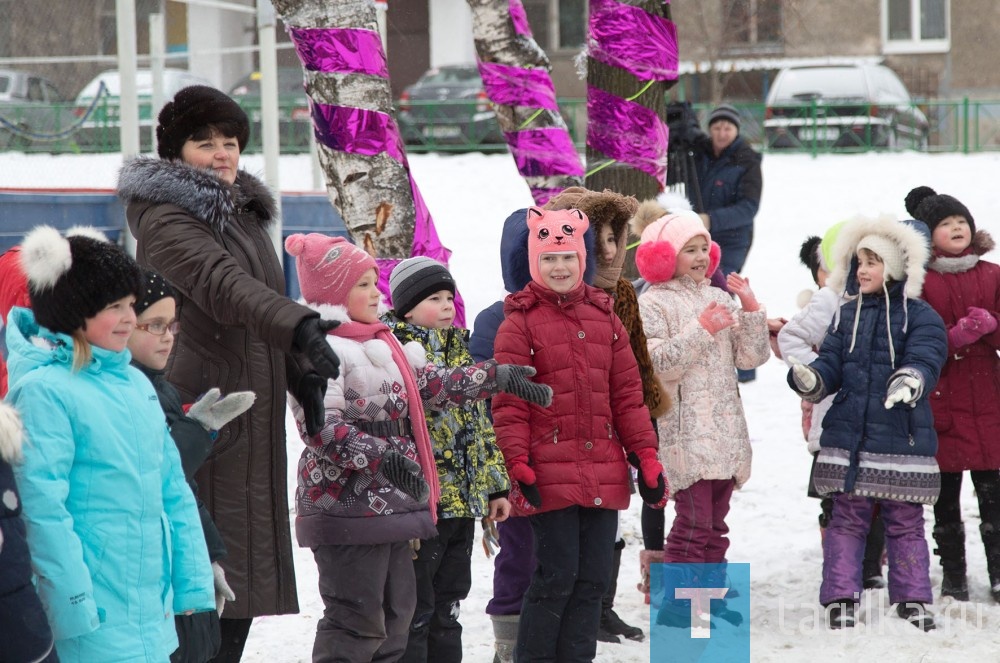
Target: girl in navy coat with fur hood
pixel 882 357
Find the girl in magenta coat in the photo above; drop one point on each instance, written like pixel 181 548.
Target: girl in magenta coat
pixel 568 460
pixel 965 291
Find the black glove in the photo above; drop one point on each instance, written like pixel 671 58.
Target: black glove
pixel 310 393
pixel 648 495
pixel 530 492
pixel 404 474
pixel 310 340
pixel 514 380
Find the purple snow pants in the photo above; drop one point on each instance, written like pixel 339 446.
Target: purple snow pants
pixel 513 566
pixel 698 535
pixel 844 548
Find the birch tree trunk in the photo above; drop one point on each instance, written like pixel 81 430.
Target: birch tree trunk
pixel 500 40
pixel 372 192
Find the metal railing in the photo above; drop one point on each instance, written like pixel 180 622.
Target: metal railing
pixel 962 125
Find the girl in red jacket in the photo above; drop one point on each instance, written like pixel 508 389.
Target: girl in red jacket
pixel 965 291
pixel 568 460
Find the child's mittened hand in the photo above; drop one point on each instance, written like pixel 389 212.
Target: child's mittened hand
pixel 223 592
pixel 905 386
pixel 740 287
pixel 981 320
pixel 652 485
pixel 715 318
pixel 525 478
pixel 514 380
pixel 404 474
pixel 803 376
pixel 213 412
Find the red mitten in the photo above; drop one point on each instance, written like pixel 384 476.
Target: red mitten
pixel 807 419
pixel 652 483
pixel 972 327
pixel 519 471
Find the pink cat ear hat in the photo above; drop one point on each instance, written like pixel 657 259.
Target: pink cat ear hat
pixel 656 257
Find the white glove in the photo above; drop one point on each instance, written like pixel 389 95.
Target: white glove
pixel 804 377
pixel 213 412
pixel 904 387
pixel 223 592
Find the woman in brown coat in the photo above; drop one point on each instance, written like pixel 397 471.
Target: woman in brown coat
pixel 203 224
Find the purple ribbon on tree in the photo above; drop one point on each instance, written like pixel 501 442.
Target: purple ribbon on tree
pixel 629 38
pixel 627 132
pixel 513 86
pixel 367 132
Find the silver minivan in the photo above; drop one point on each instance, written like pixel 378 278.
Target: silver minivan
pixel 842 107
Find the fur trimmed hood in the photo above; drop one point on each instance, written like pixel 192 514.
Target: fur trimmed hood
pixel 199 192
pixel 910 242
pixel 652 210
pixel 11 434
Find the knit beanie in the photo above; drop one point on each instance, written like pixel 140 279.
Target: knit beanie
pixel 327 267
pixel 724 112
pixel 414 279
pixel 192 109
pixel 932 208
pixel 662 240
pixel 556 231
pixel 154 288
pixel 889 251
pixel 73 278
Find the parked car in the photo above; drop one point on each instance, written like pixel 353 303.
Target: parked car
pixel 100 131
pixel 33 112
pixel 294 118
pixel 447 106
pixel 843 106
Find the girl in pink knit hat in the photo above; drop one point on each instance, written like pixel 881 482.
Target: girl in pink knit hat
pixel 367 483
pixel 697 337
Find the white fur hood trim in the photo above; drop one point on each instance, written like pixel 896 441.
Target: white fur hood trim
pixel 911 242
pixel 11 434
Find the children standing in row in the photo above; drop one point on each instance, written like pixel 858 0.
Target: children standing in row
pixel 569 459
pixel 101 476
pixel 368 484
pixel 470 468
pixel 965 291
pixel 883 355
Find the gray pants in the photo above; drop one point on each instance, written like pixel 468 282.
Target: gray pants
pixel 369 594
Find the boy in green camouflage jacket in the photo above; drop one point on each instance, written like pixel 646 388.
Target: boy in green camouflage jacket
pixel 471 472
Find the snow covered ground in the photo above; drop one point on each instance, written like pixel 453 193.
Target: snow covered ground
pixel 773 523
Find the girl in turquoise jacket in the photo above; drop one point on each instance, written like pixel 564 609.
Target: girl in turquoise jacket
pixel 113 529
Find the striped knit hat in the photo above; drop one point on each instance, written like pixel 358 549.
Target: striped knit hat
pixel 414 279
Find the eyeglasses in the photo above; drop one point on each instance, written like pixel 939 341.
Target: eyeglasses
pixel 157 328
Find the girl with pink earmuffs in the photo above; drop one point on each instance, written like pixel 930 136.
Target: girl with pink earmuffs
pixel 697 336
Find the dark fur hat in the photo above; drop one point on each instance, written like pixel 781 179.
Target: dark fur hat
pixel 194 108
pixel 73 278
pixel 810 256
pixel 931 207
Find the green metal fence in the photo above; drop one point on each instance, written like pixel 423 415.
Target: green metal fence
pixel 963 125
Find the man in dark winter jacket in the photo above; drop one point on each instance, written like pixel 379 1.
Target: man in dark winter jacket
pixel 730 184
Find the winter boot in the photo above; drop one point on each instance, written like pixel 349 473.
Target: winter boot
pixel 841 614
pixel 504 637
pixel 646 559
pixel 916 613
pixel 991 541
pixel 874 547
pixel 611 625
pixel 951 548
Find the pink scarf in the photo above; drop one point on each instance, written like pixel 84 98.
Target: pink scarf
pixel 366 331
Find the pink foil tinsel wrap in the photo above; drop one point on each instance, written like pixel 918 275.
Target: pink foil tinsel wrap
pixel 357 131
pixel 513 86
pixel 627 132
pixel 543 152
pixel 340 50
pixel 519 18
pixel 629 38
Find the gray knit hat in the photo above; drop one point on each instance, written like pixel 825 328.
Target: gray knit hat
pixel 414 279
pixel 724 112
